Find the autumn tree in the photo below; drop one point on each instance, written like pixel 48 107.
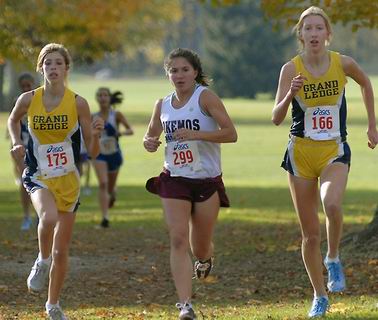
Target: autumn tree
pixel 89 28
pixel 360 14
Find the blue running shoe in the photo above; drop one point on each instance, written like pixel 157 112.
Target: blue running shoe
pixel 336 278
pixel 26 223
pixel 319 307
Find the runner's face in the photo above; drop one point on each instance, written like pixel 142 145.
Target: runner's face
pixel 54 67
pixel 103 98
pixel 314 33
pixel 182 74
pixel 26 85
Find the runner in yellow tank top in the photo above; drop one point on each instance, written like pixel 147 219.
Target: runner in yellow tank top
pixel 51 177
pixel 317 152
pixel 319 116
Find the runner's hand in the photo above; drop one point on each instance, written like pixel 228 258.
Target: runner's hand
pixel 151 144
pixel 184 134
pixel 97 125
pixel 18 154
pixel 297 84
pixel 372 138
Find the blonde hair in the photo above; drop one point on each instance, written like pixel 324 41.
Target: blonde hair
pixel 312 11
pixel 49 48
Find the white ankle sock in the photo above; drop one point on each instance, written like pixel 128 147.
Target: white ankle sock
pixel 328 259
pixel 46 261
pixel 49 306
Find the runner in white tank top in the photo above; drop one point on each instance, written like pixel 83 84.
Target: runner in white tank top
pixel 195 122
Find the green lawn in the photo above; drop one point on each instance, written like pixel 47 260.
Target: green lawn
pixel 123 272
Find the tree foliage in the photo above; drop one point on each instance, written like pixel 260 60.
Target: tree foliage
pixel 243 53
pixel 185 33
pixel 89 28
pixel 361 14
pixel 217 3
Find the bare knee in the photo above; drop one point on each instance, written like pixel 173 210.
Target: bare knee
pixel 311 241
pixel 103 186
pixel 332 210
pixel 179 242
pixel 47 221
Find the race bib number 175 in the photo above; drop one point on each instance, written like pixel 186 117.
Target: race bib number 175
pixel 55 159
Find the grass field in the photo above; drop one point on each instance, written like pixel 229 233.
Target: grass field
pixel 123 272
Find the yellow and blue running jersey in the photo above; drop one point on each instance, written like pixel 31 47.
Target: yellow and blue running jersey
pixel 319 108
pixel 54 149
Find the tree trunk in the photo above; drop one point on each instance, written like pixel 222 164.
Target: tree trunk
pixel 2 99
pixel 366 235
pixel 9 73
pixel 371 230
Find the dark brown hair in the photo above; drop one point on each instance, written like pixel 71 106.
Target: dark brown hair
pixel 116 97
pixel 192 58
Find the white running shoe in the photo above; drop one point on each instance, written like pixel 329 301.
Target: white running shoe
pixel 186 311
pixel 202 268
pixel 55 313
pixel 38 275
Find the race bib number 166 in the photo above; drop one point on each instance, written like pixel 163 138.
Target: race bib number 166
pixel 322 123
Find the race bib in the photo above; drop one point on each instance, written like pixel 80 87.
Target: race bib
pixel 108 145
pixel 56 159
pixel 183 158
pixel 322 123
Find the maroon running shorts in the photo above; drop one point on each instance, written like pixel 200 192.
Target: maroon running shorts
pixel 193 190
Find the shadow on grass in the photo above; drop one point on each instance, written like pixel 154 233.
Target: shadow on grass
pixel 136 198
pixel 257 248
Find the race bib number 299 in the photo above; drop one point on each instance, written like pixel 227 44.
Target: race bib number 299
pixel 183 157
